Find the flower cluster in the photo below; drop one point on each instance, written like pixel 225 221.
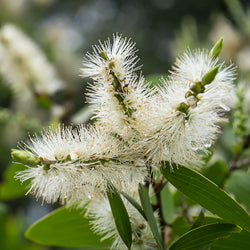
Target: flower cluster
pixel 137 127
pixel 190 106
pixel 116 92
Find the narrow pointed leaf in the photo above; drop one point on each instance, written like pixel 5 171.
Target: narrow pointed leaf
pixel 200 221
pixel 217 172
pixel 134 203
pixel 120 216
pixel 207 194
pixel 145 202
pixel 65 227
pixel 203 236
pixel 167 204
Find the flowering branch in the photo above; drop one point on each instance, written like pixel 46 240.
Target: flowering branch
pixel 138 131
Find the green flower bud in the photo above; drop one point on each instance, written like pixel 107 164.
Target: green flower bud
pixel 210 75
pixel 103 55
pixel 197 88
pixel 183 107
pixel 111 65
pixel 23 157
pixel 215 51
pixel 188 94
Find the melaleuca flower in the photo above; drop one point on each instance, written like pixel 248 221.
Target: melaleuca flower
pixel 178 135
pixel 75 164
pixel 117 95
pixel 121 118
pixel 188 109
pixel 102 222
pixel 118 58
pixel 24 66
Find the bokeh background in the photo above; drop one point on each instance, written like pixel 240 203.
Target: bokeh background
pixel 64 31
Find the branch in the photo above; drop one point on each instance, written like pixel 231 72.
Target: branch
pixel 235 163
pixel 157 189
pixel 239 164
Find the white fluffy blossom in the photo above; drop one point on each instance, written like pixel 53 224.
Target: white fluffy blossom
pixel 24 66
pixel 76 164
pixel 181 122
pixel 120 57
pixel 121 119
pixel 117 94
pixel 177 137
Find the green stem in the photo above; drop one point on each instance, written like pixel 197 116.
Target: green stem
pixel 117 83
pixel 149 177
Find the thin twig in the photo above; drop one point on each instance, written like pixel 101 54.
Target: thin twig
pixel 149 178
pixel 239 164
pixel 235 163
pixel 157 189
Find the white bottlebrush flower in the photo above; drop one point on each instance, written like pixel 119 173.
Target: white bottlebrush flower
pixel 172 136
pixel 183 121
pixel 75 164
pixel 121 119
pixel 117 95
pixel 24 66
pixel 102 222
pixel 120 57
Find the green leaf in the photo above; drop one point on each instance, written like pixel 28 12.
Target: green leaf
pixel 203 236
pixel 235 241
pixel 239 185
pixel 134 203
pixel 179 198
pixel 217 172
pixel 199 221
pixel 145 202
pixel 180 225
pixel 167 204
pixel 11 188
pixel 65 227
pixel 120 216
pixel 207 194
